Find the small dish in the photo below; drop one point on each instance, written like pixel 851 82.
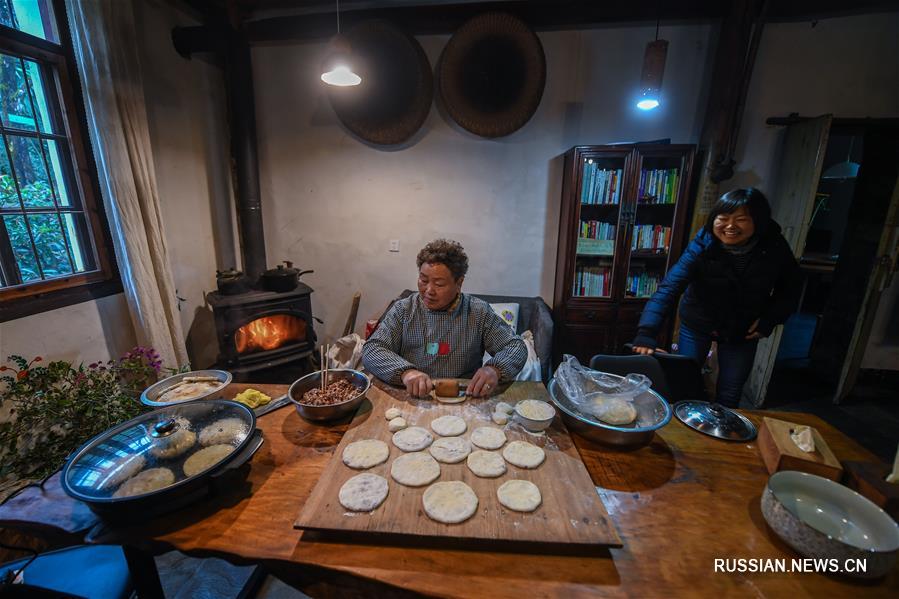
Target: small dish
pixel 151 394
pixel 535 415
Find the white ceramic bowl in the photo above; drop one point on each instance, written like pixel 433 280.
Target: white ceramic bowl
pixel 535 425
pixel 822 519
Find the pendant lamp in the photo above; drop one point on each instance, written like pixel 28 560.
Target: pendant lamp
pixel 336 69
pixel 843 170
pixel 653 70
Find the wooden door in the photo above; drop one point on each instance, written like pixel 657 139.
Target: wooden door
pixel 879 167
pixel 792 204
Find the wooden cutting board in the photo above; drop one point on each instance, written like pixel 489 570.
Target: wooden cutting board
pixel 571 513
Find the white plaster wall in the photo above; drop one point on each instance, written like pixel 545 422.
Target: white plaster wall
pixel 847 67
pixel 189 135
pixel 86 332
pixel 332 203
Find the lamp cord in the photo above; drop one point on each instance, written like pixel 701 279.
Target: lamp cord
pixel 338 16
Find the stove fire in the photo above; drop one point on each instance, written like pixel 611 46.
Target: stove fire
pixel 269 332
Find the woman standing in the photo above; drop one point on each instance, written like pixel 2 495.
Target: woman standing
pixel 738 279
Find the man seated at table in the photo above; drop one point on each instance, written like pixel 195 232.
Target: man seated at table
pixel 441 332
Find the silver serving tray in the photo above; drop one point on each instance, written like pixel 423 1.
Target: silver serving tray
pixel 151 394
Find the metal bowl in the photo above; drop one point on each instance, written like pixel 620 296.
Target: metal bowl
pixel 822 519
pixel 653 412
pixel 151 394
pixel 333 411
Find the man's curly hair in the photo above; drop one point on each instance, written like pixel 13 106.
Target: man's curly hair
pixel 447 252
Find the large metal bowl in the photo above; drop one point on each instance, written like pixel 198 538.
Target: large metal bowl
pixel 151 394
pixel 653 412
pixel 822 519
pixel 333 411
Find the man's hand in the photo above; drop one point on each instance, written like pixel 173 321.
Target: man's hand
pixel 752 333
pixel 418 384
pixel 484 381
pixel 643 351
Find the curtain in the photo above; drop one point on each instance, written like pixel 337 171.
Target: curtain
pixel 104 39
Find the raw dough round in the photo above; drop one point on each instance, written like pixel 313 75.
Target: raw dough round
pixel 123 469
pixel 226 430
pixel 615 411
pixel 450 450
pixel 487 437
pixel 486 464
pixel 365 454
pixel 392 413
pixel 450 502
pixel 363 493
pixel 415 469
pixel 448 426
pixel 397 424
pixel 146 481
pixel 206 458
pixel 523 454
pixel 503 408
pixel 519 495
pixel 413 438
pixel 175 444
pixel 500 418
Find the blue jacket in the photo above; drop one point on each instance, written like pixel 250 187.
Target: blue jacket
pixel 719 300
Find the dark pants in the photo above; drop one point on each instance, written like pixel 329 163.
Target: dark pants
pixel 734 362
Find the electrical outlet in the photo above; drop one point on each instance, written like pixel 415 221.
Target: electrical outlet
pixel 394 245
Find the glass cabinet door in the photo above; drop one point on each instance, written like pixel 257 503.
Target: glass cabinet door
pixel 653 221
pixel 600 193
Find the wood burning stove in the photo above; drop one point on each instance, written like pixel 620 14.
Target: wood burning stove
pixel 263 329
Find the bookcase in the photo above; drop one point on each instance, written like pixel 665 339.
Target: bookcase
pixel 623 214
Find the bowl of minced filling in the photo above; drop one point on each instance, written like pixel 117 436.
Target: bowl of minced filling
pixel 342 392
pixel 186 386
pixel 535 415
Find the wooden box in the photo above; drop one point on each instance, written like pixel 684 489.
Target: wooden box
pixel 869 480
pixel 780 453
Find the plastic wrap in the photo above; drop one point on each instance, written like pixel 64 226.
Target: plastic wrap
pixel 608 397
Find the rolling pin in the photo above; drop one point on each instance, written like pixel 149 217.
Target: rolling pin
pixel 449 387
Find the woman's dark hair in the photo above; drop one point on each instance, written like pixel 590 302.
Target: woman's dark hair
pixel 754 200
pixel 447 252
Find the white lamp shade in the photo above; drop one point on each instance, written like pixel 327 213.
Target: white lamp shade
pixel 341 76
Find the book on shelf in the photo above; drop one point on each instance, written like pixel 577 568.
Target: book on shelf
pixel 594 229
pixel 600 185
pixel 643 284
pixel 658 186
pixel 651 237
pixel 592 281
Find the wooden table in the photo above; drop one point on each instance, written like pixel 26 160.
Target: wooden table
pixel 678 504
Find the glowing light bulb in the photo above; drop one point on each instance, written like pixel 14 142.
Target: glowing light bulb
pixel 341 76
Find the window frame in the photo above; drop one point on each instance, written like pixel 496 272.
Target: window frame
pixel 62 78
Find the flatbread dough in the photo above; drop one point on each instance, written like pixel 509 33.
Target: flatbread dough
pixel 519 495
pixel 500 418
pixel 486 464
pixel 487 437
pixel 226 430
pixel 392 413
pixel 524 454
pixel 397 424
pixel 448 426
pixel 145 482
pixel 450 450
pixel 363 493
pixel 175 444
pixel 189 388
pixel 450 502
pixel 206 458
pixel 504 408
pixel 413 438
pixel 123 469
pixel 415 469
pixel 365 454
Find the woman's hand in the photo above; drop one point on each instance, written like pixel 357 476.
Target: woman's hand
pixel 418 384
pixel 752 333
pixel 643 351
pixel 484 381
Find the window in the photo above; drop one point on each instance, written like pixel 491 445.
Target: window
pixel 54 244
